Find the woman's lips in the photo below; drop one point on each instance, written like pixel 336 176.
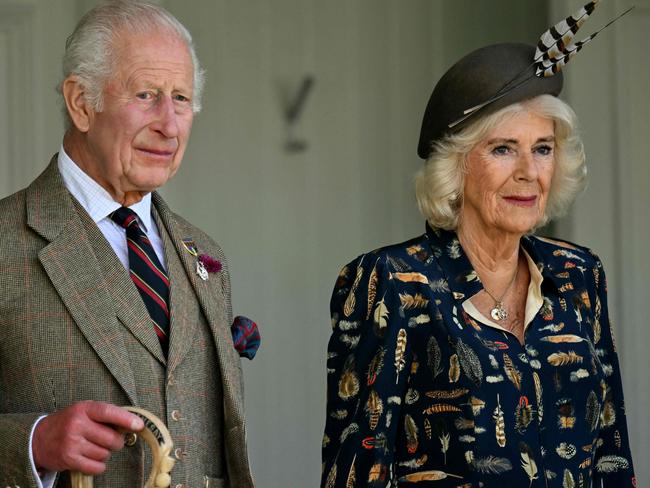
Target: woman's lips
pixel 521 201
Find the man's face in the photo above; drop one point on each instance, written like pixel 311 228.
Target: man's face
pixel 136 143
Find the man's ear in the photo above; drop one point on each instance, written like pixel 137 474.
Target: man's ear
pixel 79 110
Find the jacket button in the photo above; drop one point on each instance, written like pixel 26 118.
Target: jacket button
pixel 176 415
pixel 130 438
pixel 179 453
pixel 180 485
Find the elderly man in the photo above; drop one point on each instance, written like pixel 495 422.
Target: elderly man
pixel 107 298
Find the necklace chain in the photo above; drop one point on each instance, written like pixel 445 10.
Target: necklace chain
pixel 498 312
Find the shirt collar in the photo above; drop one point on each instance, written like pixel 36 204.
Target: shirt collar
pixel 93 197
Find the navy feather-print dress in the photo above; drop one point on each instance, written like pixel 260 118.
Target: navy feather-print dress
pixel 420 394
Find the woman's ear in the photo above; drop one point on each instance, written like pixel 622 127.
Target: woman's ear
pixel 79 110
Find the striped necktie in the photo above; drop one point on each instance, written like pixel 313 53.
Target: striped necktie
pixel 147 273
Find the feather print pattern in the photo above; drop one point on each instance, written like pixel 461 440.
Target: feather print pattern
pixel 567 480
pixel 444 445
pixel 427 428
pixel 491 465
pixel 447 394
pixel 400 351
pixel 499 425
pixel 454 368
pixel 440 408
pixel 411 434
pixel 511 371
pixel 538 397
pixel 372 290
pixel 611 464
pixel 413 301
pixel 380 316
pixel 563 358
pixel 528 462
pixel 431 475
pixel 352 478
pixel 422 390
pixel 374 409
pixel 434 356
pixel 351 301
pixel 469 362
pixel 375 366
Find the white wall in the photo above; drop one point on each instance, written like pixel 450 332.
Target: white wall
pixel 289 221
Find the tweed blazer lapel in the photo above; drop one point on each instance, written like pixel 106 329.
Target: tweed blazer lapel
pixel 217 314
pixel 71 265
pixel 182 330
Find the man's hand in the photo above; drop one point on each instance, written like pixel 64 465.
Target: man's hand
pixel 81 437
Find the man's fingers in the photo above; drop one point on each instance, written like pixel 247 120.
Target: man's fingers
pixel 104 436
pixel 107 413
pixel 94 452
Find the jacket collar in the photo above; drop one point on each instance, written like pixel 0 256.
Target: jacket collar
pixel 461 277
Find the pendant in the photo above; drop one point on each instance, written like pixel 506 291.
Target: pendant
pixel 498 312
pixel 201 271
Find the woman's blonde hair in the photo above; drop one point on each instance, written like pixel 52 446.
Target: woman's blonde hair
pixel 439 184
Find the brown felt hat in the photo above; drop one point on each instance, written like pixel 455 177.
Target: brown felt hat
pixel 476 78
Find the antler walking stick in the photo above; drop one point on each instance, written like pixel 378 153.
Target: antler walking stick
pixel 157 436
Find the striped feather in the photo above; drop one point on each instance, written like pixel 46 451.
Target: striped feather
pixel 447 394
pixel 440 408
pixel 469 362
pixel 400 352
pixel 564 358
pixel 427 428
pixel 500 426
pixel 512 372
pixel 351 301
pixel 374 408
pixel 372 290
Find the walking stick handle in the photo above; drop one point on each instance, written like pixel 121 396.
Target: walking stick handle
pixel 156 434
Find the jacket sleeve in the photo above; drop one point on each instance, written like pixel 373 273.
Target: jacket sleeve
pixel 367 367
pixel 612 465
pixel 15 465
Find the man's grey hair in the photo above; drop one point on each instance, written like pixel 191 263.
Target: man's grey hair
pixel 89 51
pixel 439 185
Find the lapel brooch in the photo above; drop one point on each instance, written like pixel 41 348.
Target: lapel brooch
pixel 205 264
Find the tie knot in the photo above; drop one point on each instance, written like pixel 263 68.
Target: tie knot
pixel 124 217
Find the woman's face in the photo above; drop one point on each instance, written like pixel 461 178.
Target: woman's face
pixel 509 175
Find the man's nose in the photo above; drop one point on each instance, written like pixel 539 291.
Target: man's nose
pixel 167 119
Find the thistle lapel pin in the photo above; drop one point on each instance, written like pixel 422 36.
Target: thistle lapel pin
pixel 205 264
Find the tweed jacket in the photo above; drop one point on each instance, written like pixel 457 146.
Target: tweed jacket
pixel 72 328
pixel 421 394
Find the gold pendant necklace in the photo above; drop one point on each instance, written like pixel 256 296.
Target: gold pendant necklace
pixel 499 312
